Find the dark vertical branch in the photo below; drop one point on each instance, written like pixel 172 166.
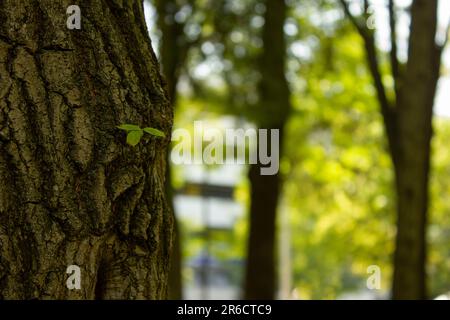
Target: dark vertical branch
pixel 366 6
pixel 387 110
pixel 360 27
pixel 393 53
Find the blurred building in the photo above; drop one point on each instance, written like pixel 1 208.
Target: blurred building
pixel 206 201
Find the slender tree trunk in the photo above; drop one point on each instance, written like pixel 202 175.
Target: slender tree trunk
pixel 408 126
pixel 260 281
pixel 73 192
pixel 412 158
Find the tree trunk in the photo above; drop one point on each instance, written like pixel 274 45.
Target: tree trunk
pixel 260 281
pixel 73 192
pixel 412 157
pixel 408 126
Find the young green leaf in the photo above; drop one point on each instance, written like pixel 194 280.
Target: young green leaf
pixel 154 132
pixel 134 137
pixel 129 127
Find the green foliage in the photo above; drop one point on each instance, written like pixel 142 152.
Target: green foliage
pixel 133 137
pixel 439 224
pixel 135 133
pixel 154 132
pixel 338 175
pixel 129 127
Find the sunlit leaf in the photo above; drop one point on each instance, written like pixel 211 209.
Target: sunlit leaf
pixel 129 127
pixel 134 137
pixel 154 132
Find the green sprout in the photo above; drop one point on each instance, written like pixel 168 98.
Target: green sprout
pixel 135 133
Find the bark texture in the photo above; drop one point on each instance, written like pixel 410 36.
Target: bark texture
pixel 260 276
pixel 73 192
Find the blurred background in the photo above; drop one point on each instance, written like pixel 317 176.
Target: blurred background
pixel 311 231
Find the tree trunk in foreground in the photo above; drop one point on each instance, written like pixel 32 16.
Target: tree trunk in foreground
pixel 73 192
pixel 260 278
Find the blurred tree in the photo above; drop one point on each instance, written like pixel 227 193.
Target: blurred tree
pixel 274 109
pixel 173 52
pixel 408 125
pixel 223 27
pixel 337 174
pixel 73 192
pixel 174 19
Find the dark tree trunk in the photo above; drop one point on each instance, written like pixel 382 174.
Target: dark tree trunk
pixel 408 126
pixel 260 279
pixel 414 111
pixel 73 192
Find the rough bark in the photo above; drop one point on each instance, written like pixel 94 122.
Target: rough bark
pixel 73 192
pixel 260 278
